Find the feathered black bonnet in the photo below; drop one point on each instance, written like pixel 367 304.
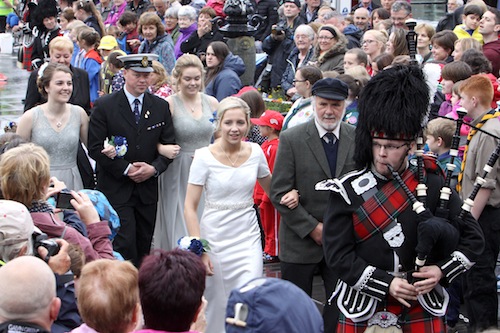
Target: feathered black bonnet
pixel 393 105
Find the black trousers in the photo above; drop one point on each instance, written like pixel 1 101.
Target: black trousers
pixel 302 276
pixel 86 171
pixel 137 220
pixel 480 287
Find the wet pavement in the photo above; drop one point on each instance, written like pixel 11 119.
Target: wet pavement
pixel 13 90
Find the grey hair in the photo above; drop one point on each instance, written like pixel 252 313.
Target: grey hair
pixel 188 11
pixel 460 3
pixel 172 12
pixel 401 5
pixel 305 29
pixel 9 252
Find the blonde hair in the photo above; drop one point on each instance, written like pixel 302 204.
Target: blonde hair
pixel 162 73
pixel 231 103
pixel 380 36
pixel 108 295
pixel 468 43
pixel 429 29
pixel 359 73
pixel 186 61
pixel 61 43
pixel 441 128
pixel 25 173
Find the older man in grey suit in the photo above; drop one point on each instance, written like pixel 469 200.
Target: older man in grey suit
pixel 308 153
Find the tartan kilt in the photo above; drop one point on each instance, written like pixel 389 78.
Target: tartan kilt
pixel 417 320
pixel 27 53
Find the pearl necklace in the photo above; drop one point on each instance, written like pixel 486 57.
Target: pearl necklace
pixel 227 156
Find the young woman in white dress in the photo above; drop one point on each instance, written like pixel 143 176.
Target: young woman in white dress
pixel 227 171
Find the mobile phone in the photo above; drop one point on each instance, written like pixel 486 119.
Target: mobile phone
pixel 63 200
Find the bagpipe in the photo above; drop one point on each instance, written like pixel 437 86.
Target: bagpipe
pixel 440 235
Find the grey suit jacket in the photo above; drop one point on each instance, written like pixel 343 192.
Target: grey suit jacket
pixel 300 163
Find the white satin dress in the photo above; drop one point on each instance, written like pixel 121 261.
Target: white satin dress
pixel 230 225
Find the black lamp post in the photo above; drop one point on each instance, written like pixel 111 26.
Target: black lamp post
pixel 239 27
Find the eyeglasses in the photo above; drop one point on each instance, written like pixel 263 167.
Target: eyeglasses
pixel 399 19
pixel 325 38
pixel 295 81
pixel 387 147
pixel 301 37
pixel 368 41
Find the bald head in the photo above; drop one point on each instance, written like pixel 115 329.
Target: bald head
pixel 361 18
pixel 31 293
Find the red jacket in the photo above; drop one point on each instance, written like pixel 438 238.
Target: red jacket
pixel 270 149
pixel 95 247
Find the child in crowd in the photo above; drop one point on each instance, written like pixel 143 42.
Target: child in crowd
pixel 67 16
pixel 113 30
pixel 107 45
pixel 439 135
pixel 89 41
pixel 470 26
pixel 355 57
pixel 111 75
pixel 129 39
pixel 75 28
pixel 480 283
pixel 450 74
pixel 270 123
pixel 456 100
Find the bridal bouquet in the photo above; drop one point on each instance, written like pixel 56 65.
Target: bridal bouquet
pixel 193 244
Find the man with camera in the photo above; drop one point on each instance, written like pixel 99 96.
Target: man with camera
pixel 19 238
pixel 279 43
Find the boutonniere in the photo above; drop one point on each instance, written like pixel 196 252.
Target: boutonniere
pixel 193 244
pixel 120 144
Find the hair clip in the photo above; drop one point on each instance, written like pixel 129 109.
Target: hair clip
pixel 42 69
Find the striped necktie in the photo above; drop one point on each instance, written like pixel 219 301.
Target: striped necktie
pixel 491 114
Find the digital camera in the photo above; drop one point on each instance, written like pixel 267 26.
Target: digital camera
pixel 41 239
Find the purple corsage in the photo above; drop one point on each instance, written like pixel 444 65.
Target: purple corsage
pixel 193 244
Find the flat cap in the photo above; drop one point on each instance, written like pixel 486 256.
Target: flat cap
pixel 329 88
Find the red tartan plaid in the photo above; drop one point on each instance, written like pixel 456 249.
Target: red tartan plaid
pixel 417 320
pixel 27 53
pixel 384 207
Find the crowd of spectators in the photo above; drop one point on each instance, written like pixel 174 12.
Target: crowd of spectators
pixel 81 55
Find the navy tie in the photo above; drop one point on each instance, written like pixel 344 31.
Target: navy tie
pixel 331 138
pixel 137 112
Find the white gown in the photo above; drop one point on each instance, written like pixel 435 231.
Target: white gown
pixel 230 225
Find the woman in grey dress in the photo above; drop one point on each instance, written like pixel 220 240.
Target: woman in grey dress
pixel 56 125
pixel 192 115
